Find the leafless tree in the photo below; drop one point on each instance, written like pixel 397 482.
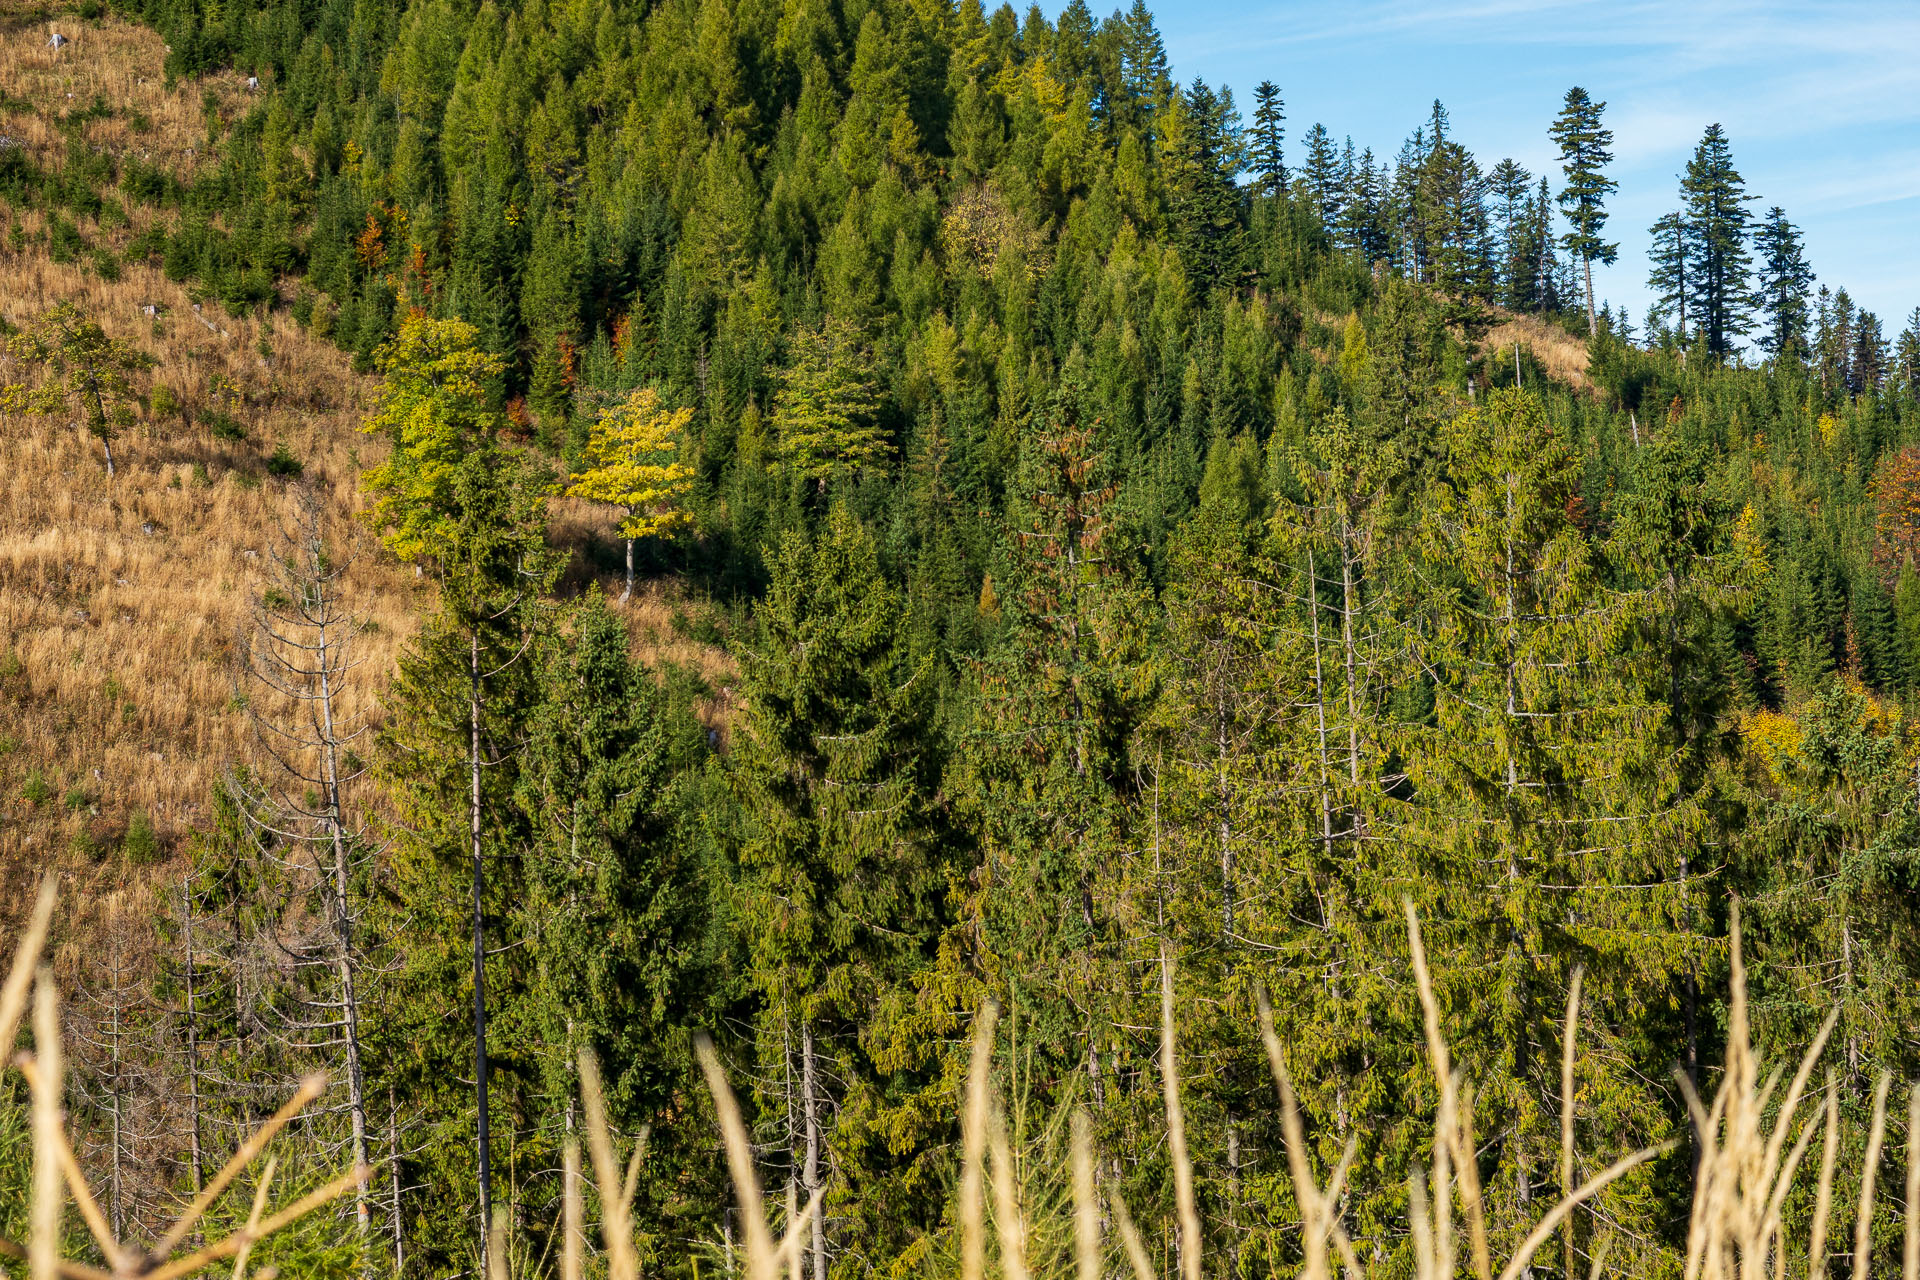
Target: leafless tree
pixel 297 662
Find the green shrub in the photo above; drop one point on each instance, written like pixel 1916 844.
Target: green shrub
pixel 284 464
pixel 225 426
pixel 77 798
pixel 141 844
pixel 36 792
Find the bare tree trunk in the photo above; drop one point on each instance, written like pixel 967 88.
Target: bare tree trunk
pixel 1593 325
pixel 1320 708
pixel 481 1138
pixel 628 593
pixel 343 936
pixel 810 1105
pixel 193 1036
pixel 393 1175
pixel 117 1200
pixel 796 1157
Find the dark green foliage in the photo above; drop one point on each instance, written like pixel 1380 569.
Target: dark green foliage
pixel 1120 549
pixel 1585 151
pixel 1785 283
pixel 1718 264
pixel 1268 138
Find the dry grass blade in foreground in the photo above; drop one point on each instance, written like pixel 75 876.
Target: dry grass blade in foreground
pixel 56 1173
pixel 1746 1167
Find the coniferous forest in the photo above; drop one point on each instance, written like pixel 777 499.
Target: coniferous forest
pixel 1139 544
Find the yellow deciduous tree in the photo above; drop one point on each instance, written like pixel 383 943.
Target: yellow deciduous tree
pixel 631 465
pixel 90 374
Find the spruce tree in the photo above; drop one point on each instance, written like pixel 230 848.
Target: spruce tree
pixel 835 772
pixel 1867 371
pixel 1530 851
pixel 1321 173
pixel 1269 134
pixel 617 902
pixel 825 417
pixel 1785 283
pixel 1670 280
pixel 1204 153
pixel 1510 184
pixel 1585 151
pixel 451 497
pixel 1906 356
pixel 1718 264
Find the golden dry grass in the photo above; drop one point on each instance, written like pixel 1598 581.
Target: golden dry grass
pixel 116 61
pixel 120 601
pixel 1543 345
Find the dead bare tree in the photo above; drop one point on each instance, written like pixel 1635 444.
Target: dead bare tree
pixel 297 660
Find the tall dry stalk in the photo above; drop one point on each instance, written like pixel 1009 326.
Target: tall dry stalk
pixel 1190 1243
pixel 973 1147
pixel 1869 1169
pixel 1567 1056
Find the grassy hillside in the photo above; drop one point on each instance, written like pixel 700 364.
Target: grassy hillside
pixel 121 601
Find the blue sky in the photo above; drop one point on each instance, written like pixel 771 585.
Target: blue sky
pixel 1820 101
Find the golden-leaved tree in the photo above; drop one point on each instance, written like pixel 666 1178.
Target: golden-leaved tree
pixel 632 464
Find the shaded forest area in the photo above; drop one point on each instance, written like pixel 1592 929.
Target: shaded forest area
pixel 1141 539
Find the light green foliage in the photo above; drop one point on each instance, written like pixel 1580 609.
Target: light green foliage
pixel 86 374
pixel 824 418
pixel 434 411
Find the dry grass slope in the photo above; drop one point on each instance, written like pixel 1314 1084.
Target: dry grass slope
pixel 115 61
pixel 1542 344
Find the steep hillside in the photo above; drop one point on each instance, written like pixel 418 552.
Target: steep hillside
pixel 121 600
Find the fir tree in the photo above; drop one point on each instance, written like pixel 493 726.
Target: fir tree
pixel 1269 133
pixel 1785 282
pixel 1718 264
pixel 1585 151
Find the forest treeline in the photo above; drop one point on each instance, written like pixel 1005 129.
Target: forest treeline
pixel 1134 553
